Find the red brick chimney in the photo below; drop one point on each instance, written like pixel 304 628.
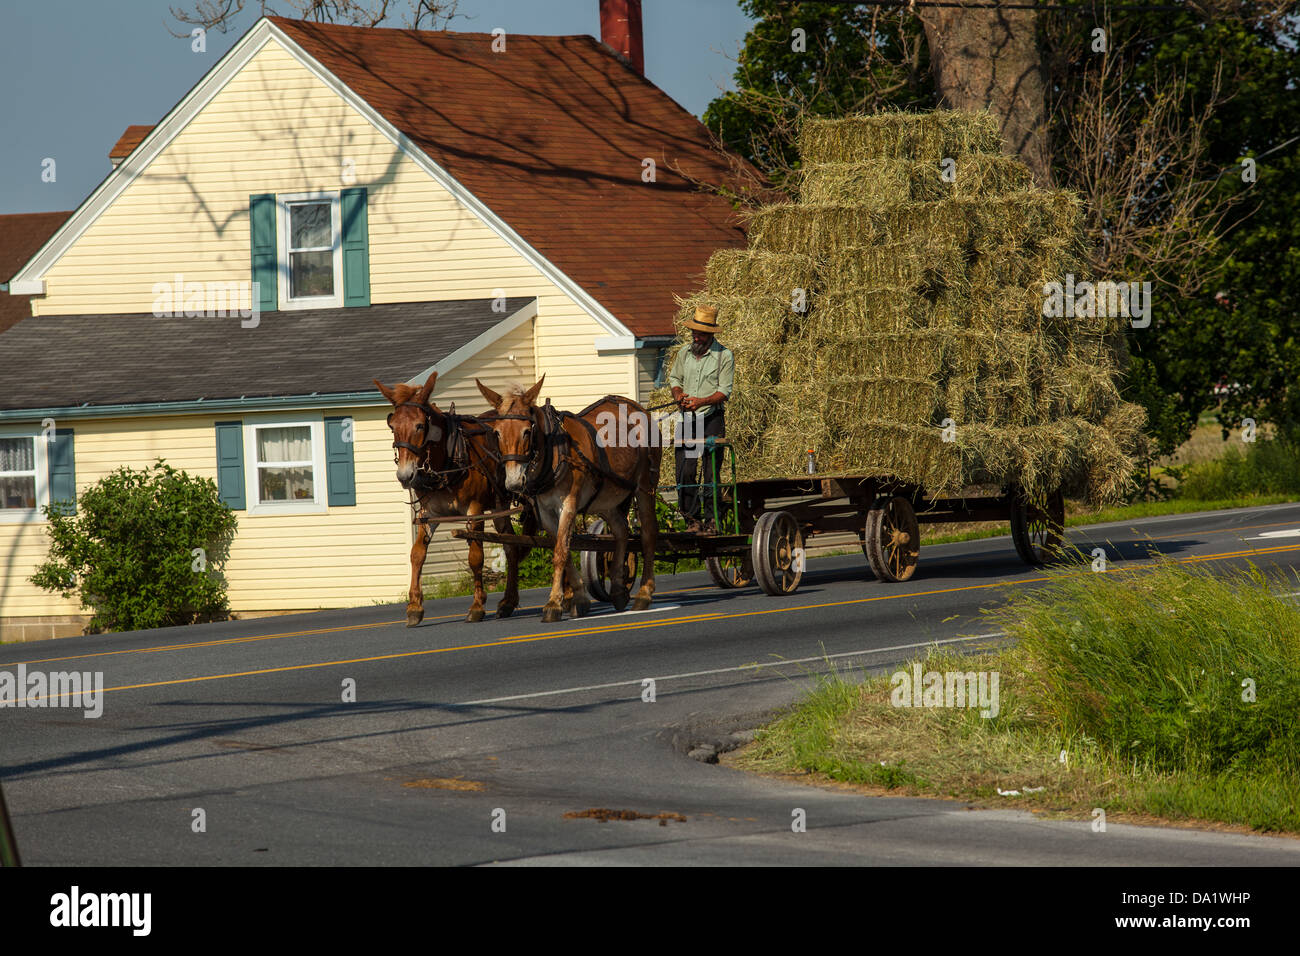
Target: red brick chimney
pixel 620 28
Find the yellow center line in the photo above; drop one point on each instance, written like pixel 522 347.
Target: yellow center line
pixel 668 622
pixel 220 642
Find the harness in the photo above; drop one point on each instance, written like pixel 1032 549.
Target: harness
pixel 456 449
pixel 543 470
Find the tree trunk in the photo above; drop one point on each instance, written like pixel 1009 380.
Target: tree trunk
pixel 988 58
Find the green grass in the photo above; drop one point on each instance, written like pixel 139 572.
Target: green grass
pixel 1137 677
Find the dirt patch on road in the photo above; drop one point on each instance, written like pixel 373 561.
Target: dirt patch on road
pixel 445 783
pixel 604 816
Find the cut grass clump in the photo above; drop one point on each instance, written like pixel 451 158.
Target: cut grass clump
pixel 1164 692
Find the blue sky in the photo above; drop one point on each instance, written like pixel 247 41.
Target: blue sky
pixel 75 73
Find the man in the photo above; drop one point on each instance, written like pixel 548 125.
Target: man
pixel 701 379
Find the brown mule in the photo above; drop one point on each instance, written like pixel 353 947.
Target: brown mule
pixel 452 464
pixel 567 465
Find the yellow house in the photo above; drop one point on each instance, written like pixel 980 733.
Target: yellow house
pixel 330 205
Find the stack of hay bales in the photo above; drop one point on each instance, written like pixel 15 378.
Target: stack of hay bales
pixel 919 253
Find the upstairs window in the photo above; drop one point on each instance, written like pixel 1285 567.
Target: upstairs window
pixel 311 257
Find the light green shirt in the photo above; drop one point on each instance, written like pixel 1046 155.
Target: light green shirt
pixel 701 377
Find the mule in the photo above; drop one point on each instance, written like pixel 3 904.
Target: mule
pixel 558 462
pixel 452 464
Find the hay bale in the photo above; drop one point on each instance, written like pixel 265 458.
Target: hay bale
pixel 927 302
pixel 895 265
pixel 878 182
pixel 923 137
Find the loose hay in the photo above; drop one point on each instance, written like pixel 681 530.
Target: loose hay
pixel 924 308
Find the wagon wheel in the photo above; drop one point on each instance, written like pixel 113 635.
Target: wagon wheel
pixel 778 552
pixel 730 570
pixel 892 539
pixel 1037 532
pixel 595 566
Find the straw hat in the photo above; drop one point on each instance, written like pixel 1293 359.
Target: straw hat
pixel 706 319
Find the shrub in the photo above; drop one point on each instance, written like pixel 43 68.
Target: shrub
pixel 1170 668
pixel 1269 467
pixel 130 551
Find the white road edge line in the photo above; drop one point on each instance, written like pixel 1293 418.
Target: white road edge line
pixel 728 670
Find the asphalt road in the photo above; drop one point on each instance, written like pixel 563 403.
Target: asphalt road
pixel 468 744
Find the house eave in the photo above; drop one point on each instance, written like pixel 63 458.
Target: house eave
pixel 196 406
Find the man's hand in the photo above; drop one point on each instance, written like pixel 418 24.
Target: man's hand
pixel 690 404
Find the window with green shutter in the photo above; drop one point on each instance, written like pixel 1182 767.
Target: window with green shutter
pixel 230 464
pixel 261 219
pixel 340 469
pixel 63 472
pixel 356 248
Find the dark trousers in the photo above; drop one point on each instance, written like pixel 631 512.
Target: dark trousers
pixel 698 502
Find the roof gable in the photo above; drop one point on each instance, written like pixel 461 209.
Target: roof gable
pixel 552 135
pixel 546 143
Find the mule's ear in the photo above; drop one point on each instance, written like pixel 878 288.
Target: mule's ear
pixel 530 396
pixel 493 398
pixel 385 390
pixel 427 390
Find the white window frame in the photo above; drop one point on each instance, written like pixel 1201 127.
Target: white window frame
pixel 283 232
pixel 315 505
pixel 42 462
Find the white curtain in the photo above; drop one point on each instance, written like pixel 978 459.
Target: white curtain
pixel 17 454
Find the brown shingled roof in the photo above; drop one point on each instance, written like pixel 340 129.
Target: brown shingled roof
pixel 21 236
pixel 551 135
pixel 129 141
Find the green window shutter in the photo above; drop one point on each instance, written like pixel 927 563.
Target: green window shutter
pixel 63 473
pixel 261 218
pixel 230 464
pixel 339 469
pixel 356 248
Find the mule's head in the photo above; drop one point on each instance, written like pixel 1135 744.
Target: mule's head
pixel 518 435
pixel 418 428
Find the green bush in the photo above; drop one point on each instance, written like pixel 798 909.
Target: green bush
pixel 1269 467
pixel 1171 668
pixel 130 551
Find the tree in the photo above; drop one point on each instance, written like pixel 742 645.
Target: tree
pixel 1148 120
pixel 145 549
pixel 221 14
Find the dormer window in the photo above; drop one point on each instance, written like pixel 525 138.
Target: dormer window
pixel 311 256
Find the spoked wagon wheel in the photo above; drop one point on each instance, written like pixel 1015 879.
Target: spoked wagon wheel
pixel 1036 532
pixel 595 565
pixel 892 539
pixel 730 570
pixel 778 552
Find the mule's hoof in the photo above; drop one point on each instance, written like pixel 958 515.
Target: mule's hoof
pixel 581 610
pixel 641 604
pixel 414 617
pixel 475 614
pixel 552 615
pixel 505 610
pixel 566 605
pixel 619 599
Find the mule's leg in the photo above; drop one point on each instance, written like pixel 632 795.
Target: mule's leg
pixel 509 600
pixel 616 519
pixel 415 597
pixel 645 510
pixel 476 569
pixel 554 610
pixel 580 601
